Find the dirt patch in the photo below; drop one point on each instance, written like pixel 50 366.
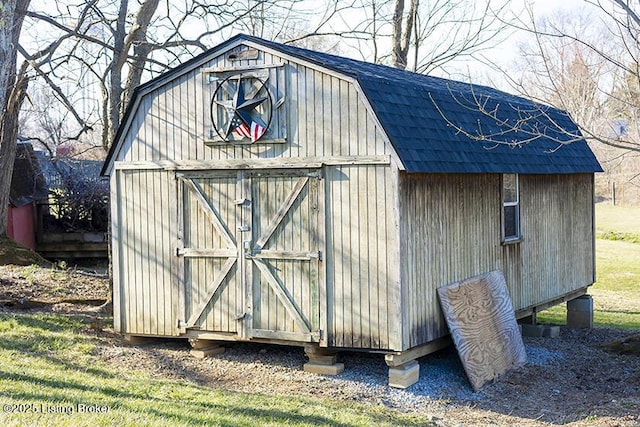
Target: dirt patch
pixel 33 286
pixel 14 253
pixel 568 380
pixel 628 345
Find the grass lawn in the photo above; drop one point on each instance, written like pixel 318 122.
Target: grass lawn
pixel 616 294
pixel 624 219
pixel 48 376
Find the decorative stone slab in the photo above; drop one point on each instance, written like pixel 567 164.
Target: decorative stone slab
pixel 483 326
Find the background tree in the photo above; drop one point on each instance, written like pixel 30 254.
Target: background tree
pixel 117 44
pixel 13 86
pixel 425 35
pixel 588 63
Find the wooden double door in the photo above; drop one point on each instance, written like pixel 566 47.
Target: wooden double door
pixel 251 247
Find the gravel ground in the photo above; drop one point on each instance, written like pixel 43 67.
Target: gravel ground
pixel 568 380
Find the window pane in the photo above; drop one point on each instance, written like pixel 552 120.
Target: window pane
pixel 511 222
pixel 509 188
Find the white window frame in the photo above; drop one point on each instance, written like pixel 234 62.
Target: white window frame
pixel 517 237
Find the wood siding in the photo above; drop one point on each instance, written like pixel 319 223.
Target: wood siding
pixel 450 230
pixel 358 281
pixel 144 230
pixel 324 117
pixel 363 278
pixel 557 255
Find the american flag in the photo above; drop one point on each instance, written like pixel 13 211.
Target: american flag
pixel 256 131
pixel 240 127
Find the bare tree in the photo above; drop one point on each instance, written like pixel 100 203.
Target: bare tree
pixel 120 42
pixel 13 85
pixel 112 45
pixel 423 35
pixel 50 127
pixel 587 63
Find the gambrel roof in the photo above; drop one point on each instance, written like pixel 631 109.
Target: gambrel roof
pixel 439 125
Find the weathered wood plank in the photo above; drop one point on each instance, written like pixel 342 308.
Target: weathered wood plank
pixel 211 211
pixel 117 254
pixel 243 185
pixel 289 337
pixel 265 163
pixel 321 244
pixel 207 252
pixel 212 289
pixel 282 295
pixel 282 254
pixel 281 213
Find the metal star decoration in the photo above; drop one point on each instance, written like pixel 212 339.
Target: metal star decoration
pixel 241 112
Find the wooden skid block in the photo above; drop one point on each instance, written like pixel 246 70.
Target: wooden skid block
pixel 138 340
pixel 312 350
pixel 200 344
pixel 323 360
pixel 405 375
pixel 201 353
pixel 317 368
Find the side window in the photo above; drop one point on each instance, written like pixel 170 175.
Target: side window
pixel 510 207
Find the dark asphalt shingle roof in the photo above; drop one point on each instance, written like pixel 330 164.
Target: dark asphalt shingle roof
pixel 435 124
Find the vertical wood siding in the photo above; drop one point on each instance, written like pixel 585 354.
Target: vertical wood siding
pixel 362 273
pixel 145 244
pixel 451 230
pixel 557 254
pixel 325 118
pixel 201 272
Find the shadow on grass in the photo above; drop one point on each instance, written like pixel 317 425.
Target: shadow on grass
pixel 46 375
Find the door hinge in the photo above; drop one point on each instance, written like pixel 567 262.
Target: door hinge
pixel 319 255
pixel 243 228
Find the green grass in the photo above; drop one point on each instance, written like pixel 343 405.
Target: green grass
pixel 616 294
pixel 621 219
pixel 47 371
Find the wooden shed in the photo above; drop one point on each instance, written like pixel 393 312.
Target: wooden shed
pixel 28 187
pixel 271 193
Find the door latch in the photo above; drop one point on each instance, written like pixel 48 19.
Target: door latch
pixel 248 252
pixel 243 228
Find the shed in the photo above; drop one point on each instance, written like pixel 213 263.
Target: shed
pixel 271 193
pixel 27 188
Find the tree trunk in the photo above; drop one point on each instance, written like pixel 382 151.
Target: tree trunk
pixel 12 92
pixel 402 33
